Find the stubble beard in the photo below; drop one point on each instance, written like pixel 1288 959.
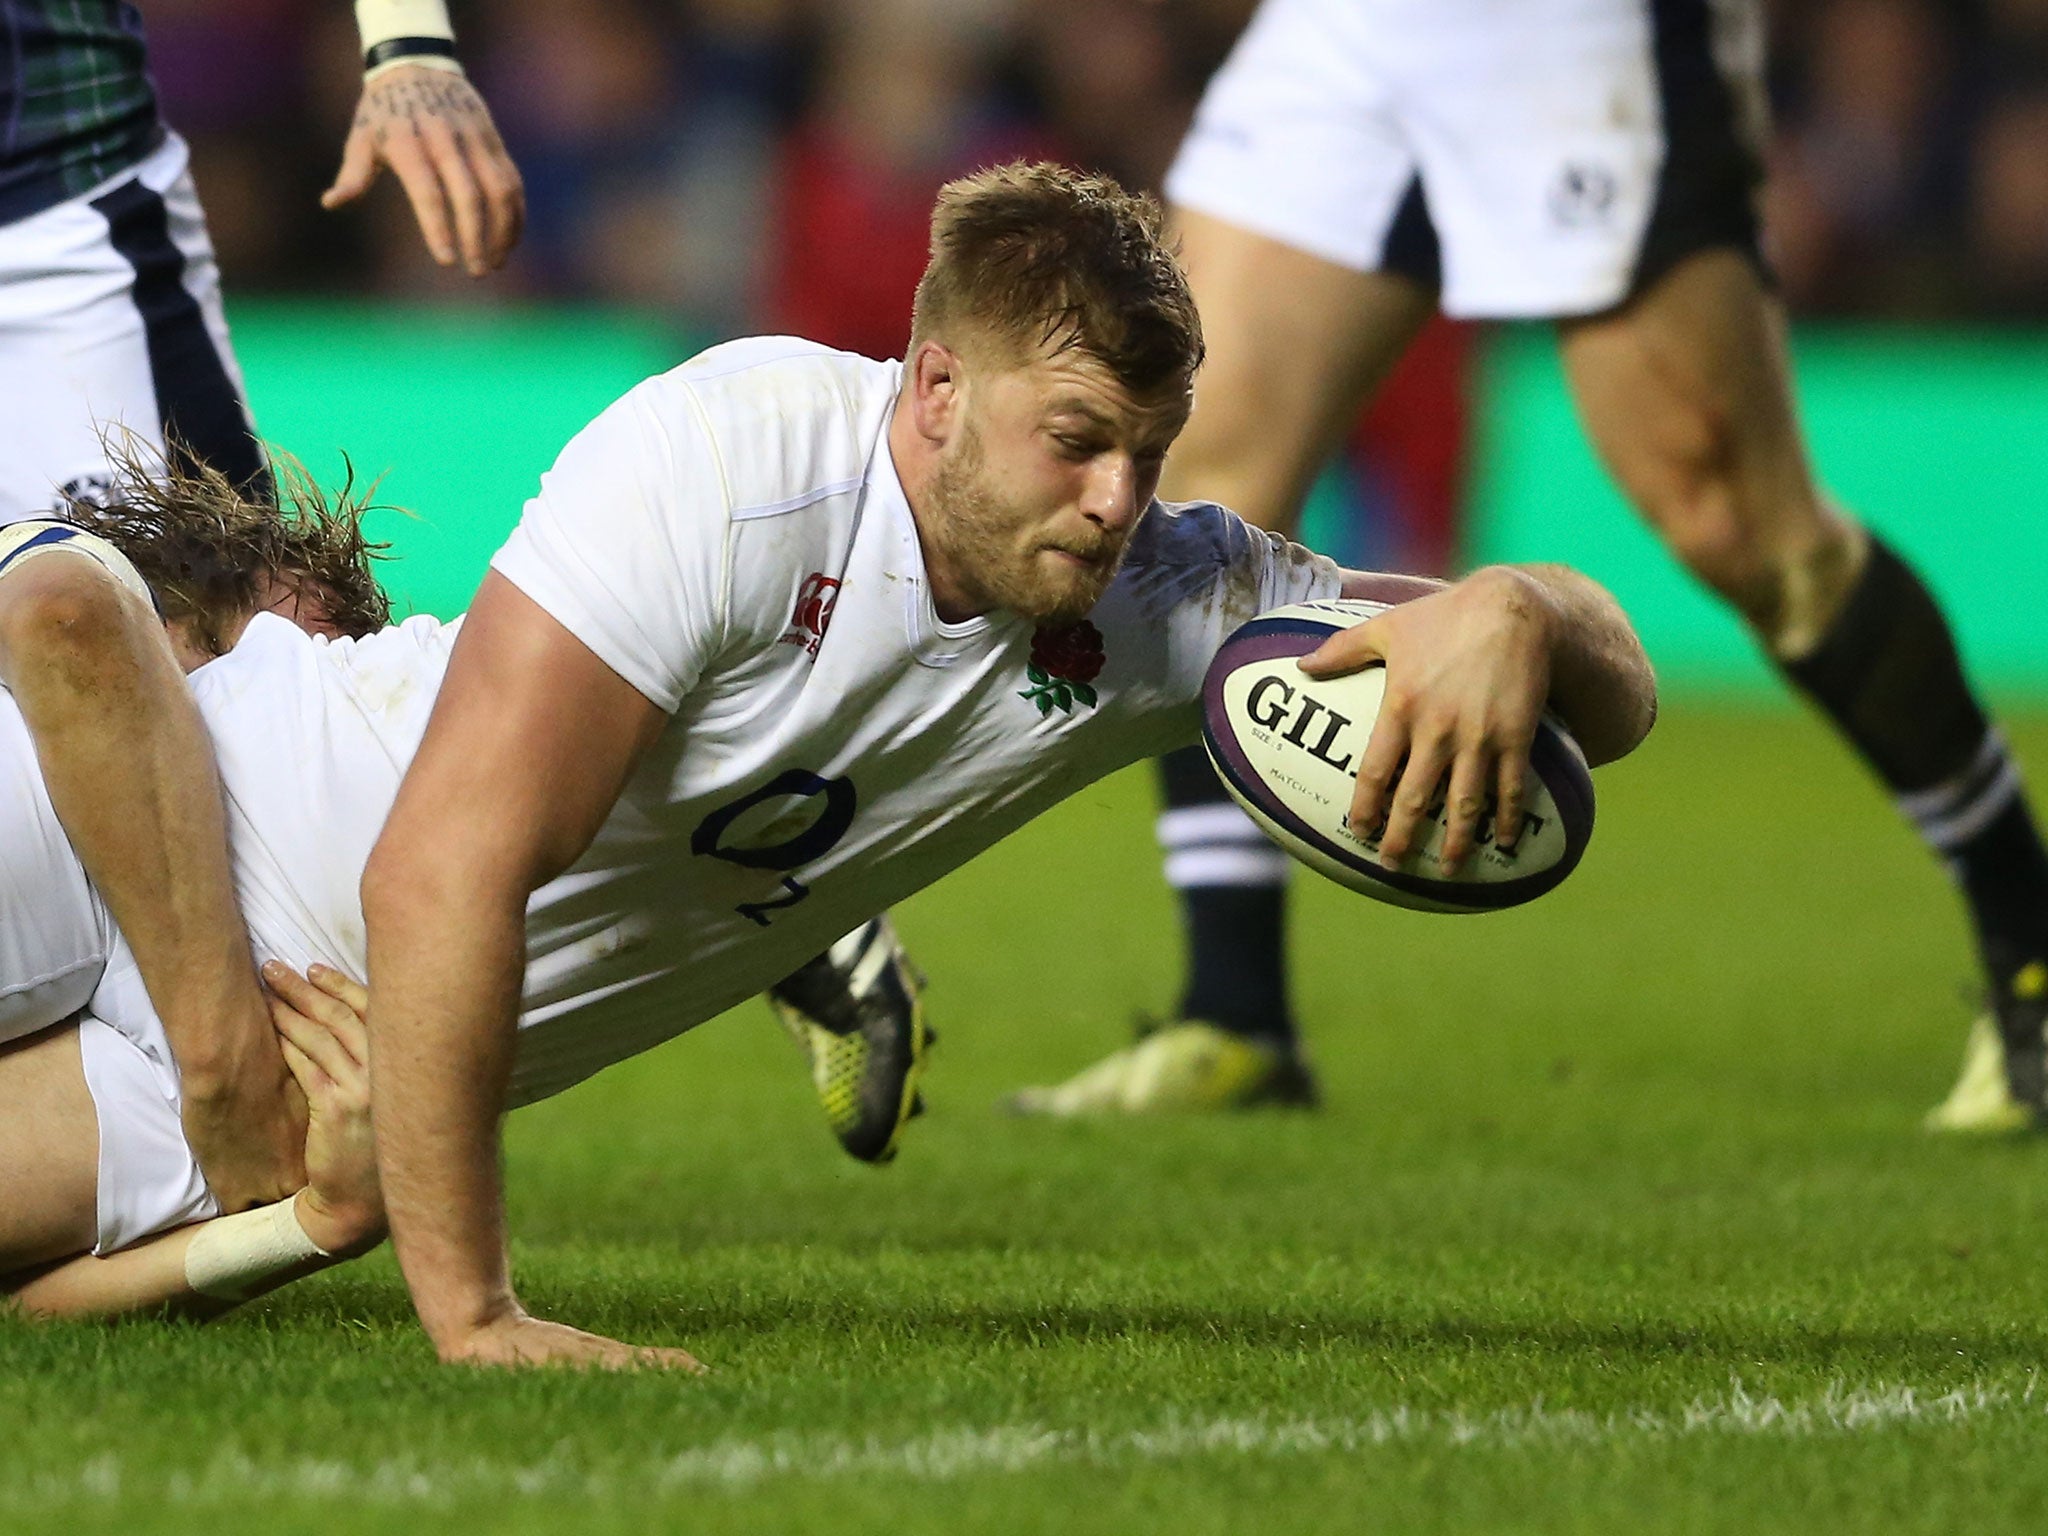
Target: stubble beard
pixel 978 534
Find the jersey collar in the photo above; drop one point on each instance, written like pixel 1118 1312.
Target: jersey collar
pixel 932 640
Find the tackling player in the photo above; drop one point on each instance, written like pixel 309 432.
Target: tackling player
pixel 1357 163
pixel 110 314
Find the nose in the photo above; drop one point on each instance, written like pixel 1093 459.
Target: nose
pixel 1111 498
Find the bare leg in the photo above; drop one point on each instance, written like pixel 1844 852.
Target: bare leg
pixel 1296 346
pixel 1685 393
pixel 49 1152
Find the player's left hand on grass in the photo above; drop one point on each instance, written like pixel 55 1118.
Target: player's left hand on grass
pixel 1468 673
pixel 319 1020
pixel 434 131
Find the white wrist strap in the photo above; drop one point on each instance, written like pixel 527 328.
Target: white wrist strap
pixel 231 1255
pixel 405 33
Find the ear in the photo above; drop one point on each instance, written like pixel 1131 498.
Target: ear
pixel 937 392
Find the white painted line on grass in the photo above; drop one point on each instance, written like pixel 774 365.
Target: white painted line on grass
pixel 944 1455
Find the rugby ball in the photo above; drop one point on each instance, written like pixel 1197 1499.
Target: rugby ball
pixel 1288 747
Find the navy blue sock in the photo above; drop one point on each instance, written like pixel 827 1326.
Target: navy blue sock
pixel 1232 885
pixel 1888 674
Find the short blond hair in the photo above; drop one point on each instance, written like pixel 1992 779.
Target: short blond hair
pixel 1040 255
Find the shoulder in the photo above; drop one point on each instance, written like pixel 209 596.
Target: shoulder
pixel 787 420
pixel 1189 533
pixel 1181 549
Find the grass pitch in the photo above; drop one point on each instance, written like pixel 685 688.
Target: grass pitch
pixel 1618 1220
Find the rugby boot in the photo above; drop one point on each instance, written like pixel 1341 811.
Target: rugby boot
pixel 2004 1083
pixel 1187 1066
pixel 856 1012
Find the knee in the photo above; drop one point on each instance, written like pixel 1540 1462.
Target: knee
pixel 1759 538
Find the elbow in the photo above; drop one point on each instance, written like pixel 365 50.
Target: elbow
pixel 394 881
pixel 1627 714
pixel 425 872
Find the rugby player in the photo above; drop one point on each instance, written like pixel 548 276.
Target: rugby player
pixel 850 596
pixel 110 316
pixel 787 634
pixel 1357 164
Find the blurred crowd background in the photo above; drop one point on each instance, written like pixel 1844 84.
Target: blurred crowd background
pixel 735 166
pixel 748 164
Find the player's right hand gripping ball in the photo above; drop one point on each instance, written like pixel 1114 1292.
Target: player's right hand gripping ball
pixel 1288 747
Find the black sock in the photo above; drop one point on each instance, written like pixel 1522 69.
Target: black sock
pixel 1888 675
pixel 1232 884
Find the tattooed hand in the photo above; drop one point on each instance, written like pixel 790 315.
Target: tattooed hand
pixel 434 131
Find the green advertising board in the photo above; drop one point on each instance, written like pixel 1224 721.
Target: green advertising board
pixel 1938 439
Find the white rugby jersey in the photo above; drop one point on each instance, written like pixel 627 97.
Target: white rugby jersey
pixel 732 539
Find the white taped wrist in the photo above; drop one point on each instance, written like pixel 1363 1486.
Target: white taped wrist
pixel 405 32
pixel 231 1255
pixel 381 21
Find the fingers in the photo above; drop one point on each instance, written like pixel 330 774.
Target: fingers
pixel 330 1013
pixel 1464 805
pixel 1346 651
pixel 670 1360
pixel 317 1044
pixel 358 170
pixel 437 136
pixel 313 1081
pixel 408 159
pixel 530 1341
pixel 504 193
pixel 1413 798
pixel 1378 767
pixel 1511 797
pixel 458 189
pixel 343 988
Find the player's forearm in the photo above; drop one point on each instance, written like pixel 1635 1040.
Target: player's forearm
pixel 1601 681
pixel 198 1271
pixel 130 772
pixel 446 962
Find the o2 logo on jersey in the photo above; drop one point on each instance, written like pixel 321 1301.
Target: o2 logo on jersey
pixel 795 817
pixel 808 621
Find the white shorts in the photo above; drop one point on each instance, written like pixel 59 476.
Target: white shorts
pixel 110 317
pixel 1529 158
pixel 149 1181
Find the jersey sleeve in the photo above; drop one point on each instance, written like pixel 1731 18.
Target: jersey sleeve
pixel 36 536
pixel 626 543
pixel 1232 573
